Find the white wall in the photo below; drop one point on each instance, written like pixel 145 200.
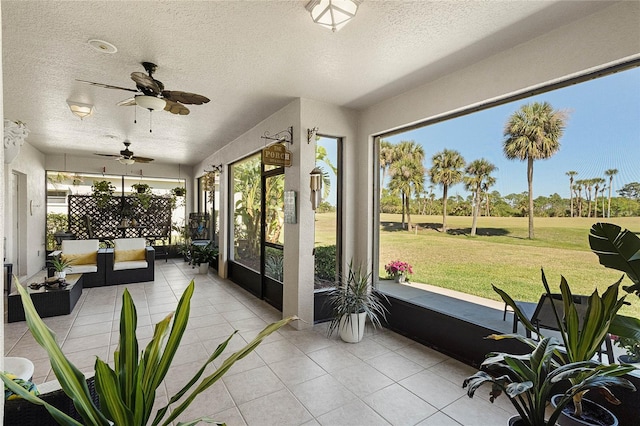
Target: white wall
pixel 597 41
pixel 30 165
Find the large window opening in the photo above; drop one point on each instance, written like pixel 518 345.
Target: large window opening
pixel 454 197
pixel 328 247
pixel 130 209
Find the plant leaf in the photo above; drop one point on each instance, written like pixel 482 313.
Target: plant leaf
pixel 617 249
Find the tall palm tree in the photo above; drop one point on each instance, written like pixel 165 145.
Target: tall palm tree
pixel 533 133
pixel 488 183
pixel 596 186
pixel 588 183
pixel 387 151
pixel 407 173
pixel 446 170
pixel 578 188
pixel 477 172
pixel 571 174
pixel 611 173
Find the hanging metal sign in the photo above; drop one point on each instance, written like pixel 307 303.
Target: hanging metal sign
pixel 276 155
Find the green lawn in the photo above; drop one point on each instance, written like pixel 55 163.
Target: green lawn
pixel 501 254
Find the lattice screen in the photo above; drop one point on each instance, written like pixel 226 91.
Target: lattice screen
pixel 87 220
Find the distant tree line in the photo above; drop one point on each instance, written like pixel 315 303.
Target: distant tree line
pixel 531 133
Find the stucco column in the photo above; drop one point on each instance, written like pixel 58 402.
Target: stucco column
pixel 299 237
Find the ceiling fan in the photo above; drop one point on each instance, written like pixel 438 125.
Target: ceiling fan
pixel 151 94
pixel 126 156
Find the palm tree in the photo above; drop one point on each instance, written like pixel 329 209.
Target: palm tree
pixel 571 174
pixel 578 189
pixel 407 173
pixel 387 151
pixel 596 186
pixel 588 183
pixel 477 173
pixel 533 133
pixel 611 173
pixel 488 183
pixel 446 170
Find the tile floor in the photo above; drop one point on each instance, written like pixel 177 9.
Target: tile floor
pixel 292 378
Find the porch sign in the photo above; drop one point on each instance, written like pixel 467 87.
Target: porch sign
pixel 276 155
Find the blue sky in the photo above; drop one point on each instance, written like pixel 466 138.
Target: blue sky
pixel 603 132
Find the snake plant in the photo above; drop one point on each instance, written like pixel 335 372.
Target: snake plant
pixel 127 391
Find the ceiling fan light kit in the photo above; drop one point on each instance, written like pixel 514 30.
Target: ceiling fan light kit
pixel 151 103
pixel 80 109
pixel 126 161
pixel 332 14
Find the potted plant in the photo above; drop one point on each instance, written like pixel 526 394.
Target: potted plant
pixel 528 380
pixel 179 191
pixel 631 346
pixel 202 256
pixel 60 266
pixel 126 389
pixel 352 301
pixel 102 192
pixel 399 271
pixel 582 337
pixel 143 194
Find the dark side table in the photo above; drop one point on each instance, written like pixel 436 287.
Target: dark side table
pixel 48 303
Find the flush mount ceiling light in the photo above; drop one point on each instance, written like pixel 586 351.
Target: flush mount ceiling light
pixel 332 14
pixel 151 103
pixel 102 46
pixel 79 109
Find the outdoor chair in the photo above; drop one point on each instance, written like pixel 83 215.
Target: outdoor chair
pixel 86 258
pixel 541 315
pixel 130 261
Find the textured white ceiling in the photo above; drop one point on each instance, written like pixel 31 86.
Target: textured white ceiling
pixel 249 57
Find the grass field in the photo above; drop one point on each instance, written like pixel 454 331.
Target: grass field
pixel 500 254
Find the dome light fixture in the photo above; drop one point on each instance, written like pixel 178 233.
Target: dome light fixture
pixel 126 161
pixel 332 14
pixel 151 103
pixel 79 109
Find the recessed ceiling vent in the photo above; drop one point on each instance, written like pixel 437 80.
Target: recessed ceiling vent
pixel 102 46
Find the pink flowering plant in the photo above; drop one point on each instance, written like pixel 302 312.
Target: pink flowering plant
pixel 398 267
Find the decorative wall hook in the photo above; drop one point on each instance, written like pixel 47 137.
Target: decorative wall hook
pixel 285 136
pixel 311 133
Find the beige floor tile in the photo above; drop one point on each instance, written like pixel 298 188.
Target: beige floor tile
pixel 277 351
pixel 276 409
pixel 422 355
pixel 366 349
pixel 439 419
pixel 476 412
pixel 362 379
pixel 399 406
pixel 322 394
pixel 334 358
pixel 394 366
pixel 230 417
pixel 354 413
pixel 433 388
pixel 296 370
pixel 252 384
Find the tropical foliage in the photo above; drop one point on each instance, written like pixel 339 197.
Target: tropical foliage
pixel 127 391
pixel 446 170
pixel 477 181
pixel 533 133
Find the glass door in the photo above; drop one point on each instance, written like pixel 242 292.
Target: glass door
pixel 272 247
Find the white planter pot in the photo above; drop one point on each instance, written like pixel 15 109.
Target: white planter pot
pixel 203 268
pixel 352 327
pixel 60 274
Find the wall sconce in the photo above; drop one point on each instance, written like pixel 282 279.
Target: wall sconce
pixel 316 187
pixel 79 109
pixel 333 14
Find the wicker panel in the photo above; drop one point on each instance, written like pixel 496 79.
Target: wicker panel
pixel 87 220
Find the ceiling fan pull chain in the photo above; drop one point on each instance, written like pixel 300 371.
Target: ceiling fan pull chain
pixel 135 115
pixel 150 113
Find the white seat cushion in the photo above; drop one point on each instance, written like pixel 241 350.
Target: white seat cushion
pixel 133 264
pixel 129 243
pixel 82 269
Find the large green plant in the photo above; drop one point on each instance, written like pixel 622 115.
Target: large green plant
pixel 353 294
pixel 582 338
pixel 127 391
pixel 528 379
pixel 102 192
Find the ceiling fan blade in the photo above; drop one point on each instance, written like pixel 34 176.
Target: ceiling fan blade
pixel 142 159
pixel 107 86
pixel 127 102
pixel 107 155
pixel 143 81
pixel 184 97
pixel 176 108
